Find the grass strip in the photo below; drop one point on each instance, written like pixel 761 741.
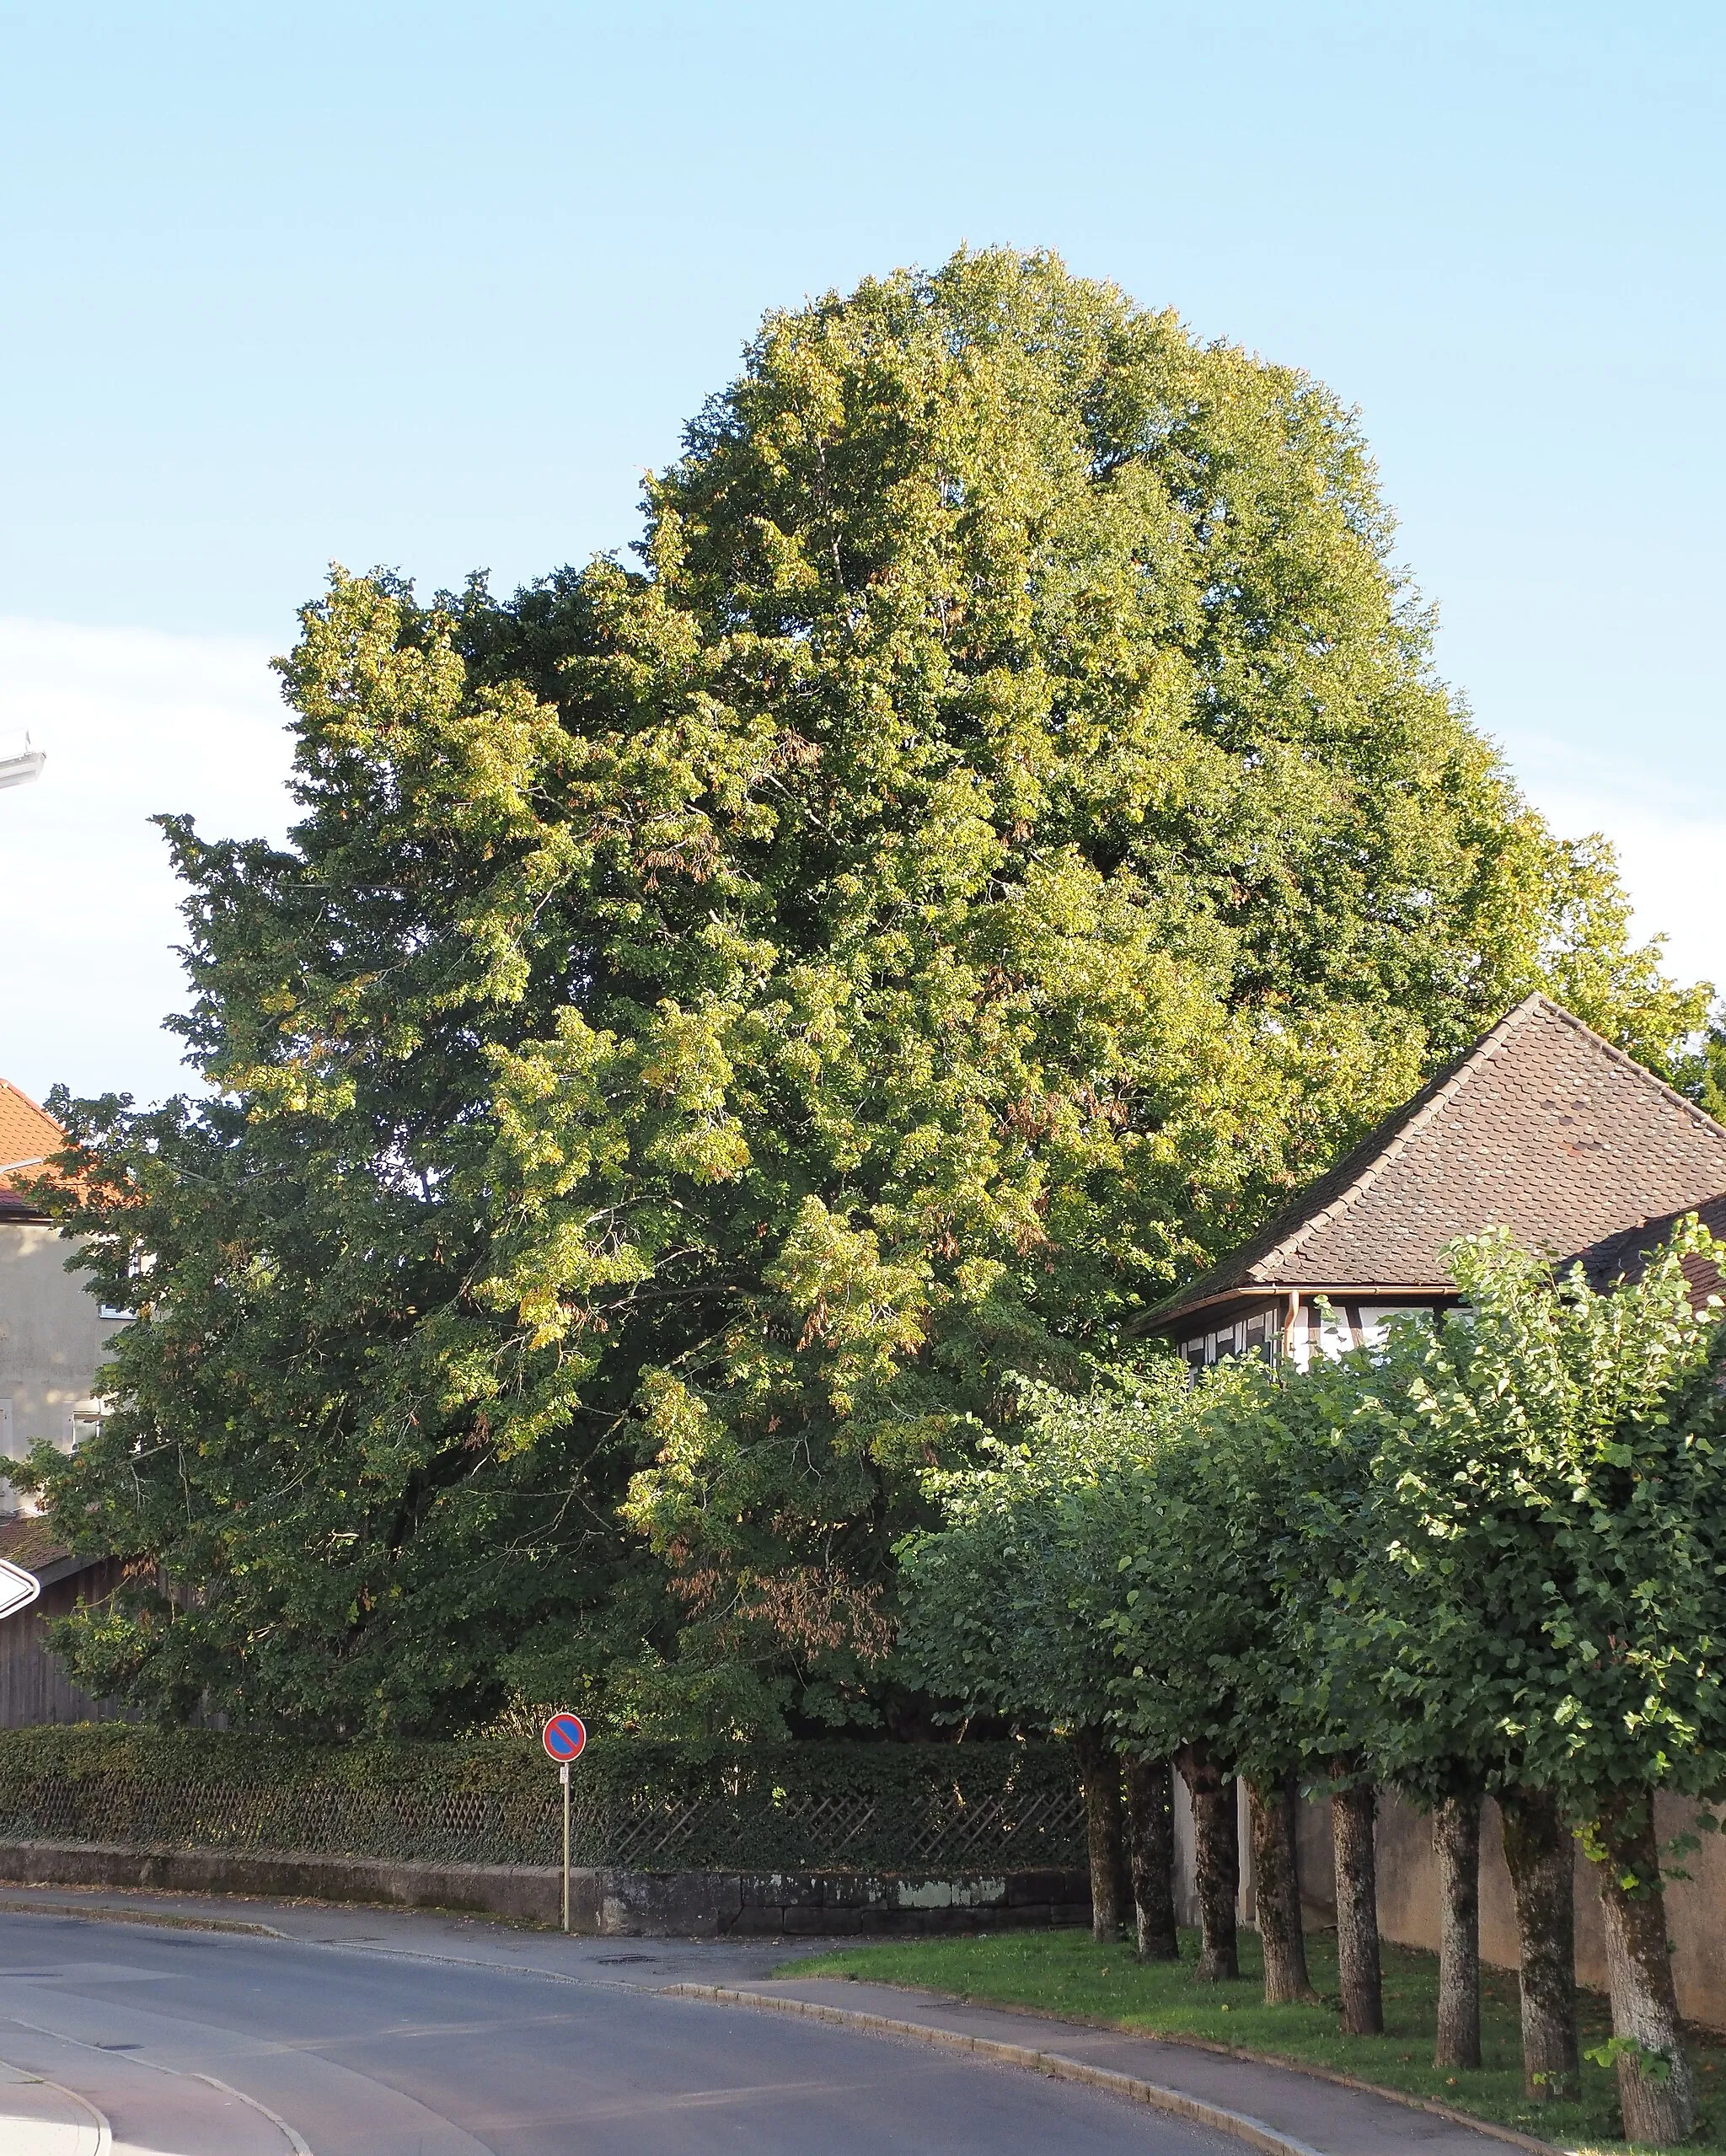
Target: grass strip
pixel 1067 1974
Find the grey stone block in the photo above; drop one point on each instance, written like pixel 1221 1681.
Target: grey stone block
pixel 1047 1884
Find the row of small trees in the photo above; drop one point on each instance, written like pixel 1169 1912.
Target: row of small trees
pixel 1487 1558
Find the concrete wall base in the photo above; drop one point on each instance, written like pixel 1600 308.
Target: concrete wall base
pixel 604 1902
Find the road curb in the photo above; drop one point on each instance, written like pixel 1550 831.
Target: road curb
pixel 1055 2066
pixel 169 1920
pixel 1059 2067
pixel 103 2142
pixel 1512 2136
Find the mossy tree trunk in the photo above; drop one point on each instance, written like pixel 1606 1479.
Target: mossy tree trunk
pixel 1656 2086
pixel 1100 1775
pixel 1539 1851
pixel 1150 1845
pixel 1276 1871
pixel 1456 1845
pixel 1216 1839
pixel 1352 1809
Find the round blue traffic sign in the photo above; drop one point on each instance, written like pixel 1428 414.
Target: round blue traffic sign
pixel 563 1737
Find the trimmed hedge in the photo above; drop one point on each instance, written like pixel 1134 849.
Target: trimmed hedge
pixel 651 1806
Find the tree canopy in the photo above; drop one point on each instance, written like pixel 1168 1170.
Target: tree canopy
pixel 1547 1532
pixel 1009 1599
pixel 719 1020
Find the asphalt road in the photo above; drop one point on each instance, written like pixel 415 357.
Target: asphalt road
pixel 197 2043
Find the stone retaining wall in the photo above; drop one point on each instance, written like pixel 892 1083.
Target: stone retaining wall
pixel 618 1903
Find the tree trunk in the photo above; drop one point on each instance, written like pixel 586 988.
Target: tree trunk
pixel 1457 1844
pixel 1542 1864
pixel 1216 1837
pixel 1150 1841
pixel 1099 1772
pixel 1656 2086
pixel 1352 1814
pixel 1276 1872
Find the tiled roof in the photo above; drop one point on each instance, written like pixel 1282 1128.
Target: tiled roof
pixel 1622 1257
pixel 1542 1127
pixel 27 1135
pixel 29 1540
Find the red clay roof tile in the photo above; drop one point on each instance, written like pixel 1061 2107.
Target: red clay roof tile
pixel 27 1135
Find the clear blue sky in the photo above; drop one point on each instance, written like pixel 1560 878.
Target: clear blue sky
pixel 431 285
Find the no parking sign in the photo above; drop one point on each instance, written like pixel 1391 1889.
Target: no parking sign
pixel 564 1737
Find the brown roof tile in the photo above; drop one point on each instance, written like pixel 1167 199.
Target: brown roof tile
pixel 1622 1257
pixel 1542 1127
pixel 28 1540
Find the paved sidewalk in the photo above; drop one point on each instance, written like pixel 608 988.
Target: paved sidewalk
pixel 488 1941
pixel 1303 2109
pixel 39 2118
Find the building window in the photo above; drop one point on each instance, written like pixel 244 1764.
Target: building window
pixel 1259 1335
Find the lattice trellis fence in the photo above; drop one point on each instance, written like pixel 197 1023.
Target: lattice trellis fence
pixel 647 1807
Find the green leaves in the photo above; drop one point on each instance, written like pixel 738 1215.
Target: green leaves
pixel 1564 1447
pixel 1011 1600
pixel 718 1025
pixel 1488 1554
pixel 1652 2066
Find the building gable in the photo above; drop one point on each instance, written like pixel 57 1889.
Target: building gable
pixel 1542 1127
pixel 29 1135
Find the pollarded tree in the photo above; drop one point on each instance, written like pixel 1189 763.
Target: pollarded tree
pixel 1554 1478
pixel 1442 1728
pixel 1403 1671
pixel 1285 1456
pixel 1239 1527
pixel 713 1023
pixel 1184 1625
pixel 1238 1535
pixel 1006 1606
pixel 1347 1608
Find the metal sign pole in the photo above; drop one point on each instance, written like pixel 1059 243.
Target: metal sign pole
pixel 564 1737
pixel 563 1776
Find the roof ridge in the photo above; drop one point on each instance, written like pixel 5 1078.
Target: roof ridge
pixel 1471 1061
pixel 28 1128
pixel 7 1085
pixel 1319 1227
pixel 1486 1049
pixel 1698 1114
